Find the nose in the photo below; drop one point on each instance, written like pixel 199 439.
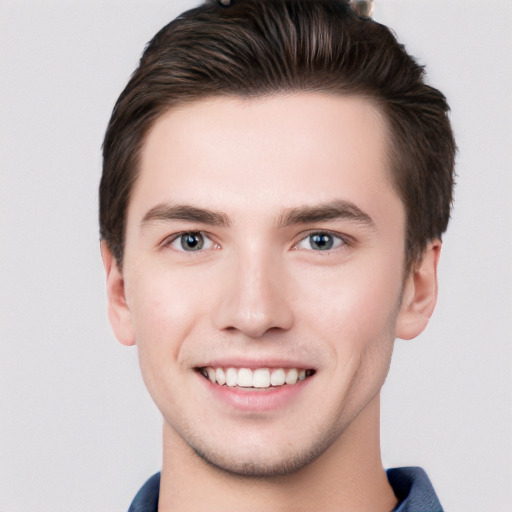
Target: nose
pixel 254 297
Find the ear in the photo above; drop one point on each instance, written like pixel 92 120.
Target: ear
pixel 419 295
pixel 118 311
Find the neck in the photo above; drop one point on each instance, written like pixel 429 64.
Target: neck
pixel 347 476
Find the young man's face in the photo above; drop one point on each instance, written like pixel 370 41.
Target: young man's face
pixel 264 241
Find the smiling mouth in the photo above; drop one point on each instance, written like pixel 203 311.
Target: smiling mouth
pixel 259 378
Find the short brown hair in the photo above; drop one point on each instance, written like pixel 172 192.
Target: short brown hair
pixel 255 48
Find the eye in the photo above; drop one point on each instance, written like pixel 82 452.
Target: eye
pixel 192 241
pixel 320 241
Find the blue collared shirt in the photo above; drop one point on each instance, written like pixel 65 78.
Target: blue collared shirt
pixel 410 485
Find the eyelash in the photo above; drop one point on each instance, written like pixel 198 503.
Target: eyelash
pixel 181 236
pixel 338 241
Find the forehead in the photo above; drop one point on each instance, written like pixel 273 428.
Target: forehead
pixel 273 152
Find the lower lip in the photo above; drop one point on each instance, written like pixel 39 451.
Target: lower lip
pixel 256 400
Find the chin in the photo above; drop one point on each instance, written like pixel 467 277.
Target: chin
pixel 261 463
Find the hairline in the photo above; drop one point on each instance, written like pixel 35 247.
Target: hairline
pixel 373 100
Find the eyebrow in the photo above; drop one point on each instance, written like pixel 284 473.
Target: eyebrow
pixel 334 210
pixel 308 214
pixel 169 212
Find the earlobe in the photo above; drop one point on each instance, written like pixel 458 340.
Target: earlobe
pixel 118 311
pixel 419 295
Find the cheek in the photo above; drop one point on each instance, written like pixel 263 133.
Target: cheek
pixel 355 299
pixel 357 323
pixel 164 309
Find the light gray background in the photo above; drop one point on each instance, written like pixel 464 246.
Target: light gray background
pixel 78 432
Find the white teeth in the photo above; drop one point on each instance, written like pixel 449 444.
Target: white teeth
pixel 220 376
pixel 245 378
pixel 277 377
pixel 292 376
pixel 211 374
pixel 260 378
pixel 231 377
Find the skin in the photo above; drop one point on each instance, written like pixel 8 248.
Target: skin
pixel 259 290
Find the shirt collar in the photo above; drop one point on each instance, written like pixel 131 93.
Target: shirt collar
pixel 410 485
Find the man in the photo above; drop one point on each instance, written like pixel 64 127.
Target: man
pixel 276 181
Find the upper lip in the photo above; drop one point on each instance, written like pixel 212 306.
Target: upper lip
pixel 255 363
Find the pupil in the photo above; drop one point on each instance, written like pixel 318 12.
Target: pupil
pixel 192 241
pixel 321 242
